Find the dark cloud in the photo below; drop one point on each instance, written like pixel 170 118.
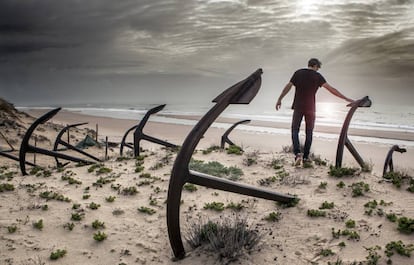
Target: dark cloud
pixel 391 54
pixel 92 41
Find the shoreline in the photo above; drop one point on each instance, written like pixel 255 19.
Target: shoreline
pixel 382 135
pixel 327 129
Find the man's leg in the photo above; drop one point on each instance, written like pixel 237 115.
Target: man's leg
pixel 296 121
pixel 310 124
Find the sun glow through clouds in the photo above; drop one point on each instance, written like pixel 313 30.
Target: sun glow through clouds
pixel 304 7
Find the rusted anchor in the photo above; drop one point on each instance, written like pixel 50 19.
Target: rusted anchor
pixel 225 138
pixel 25 147
pixel 140 135
pixel 388 160
pixel 241 93
pixel 343 139
pixel 69 146
pixel 6 153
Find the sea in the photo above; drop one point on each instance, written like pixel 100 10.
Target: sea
pixel 378 117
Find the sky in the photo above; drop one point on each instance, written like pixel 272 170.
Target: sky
pixel 161 51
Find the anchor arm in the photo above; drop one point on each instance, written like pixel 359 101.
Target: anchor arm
pixel 225 139
pixel 209 181
pixel 24 146
pixel 123 143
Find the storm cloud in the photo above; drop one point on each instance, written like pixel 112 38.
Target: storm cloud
pixel 136 46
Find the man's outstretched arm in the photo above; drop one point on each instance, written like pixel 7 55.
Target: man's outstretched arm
pixel 283 94
pixel 335 92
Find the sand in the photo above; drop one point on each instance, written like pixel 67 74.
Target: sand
pixel 134 237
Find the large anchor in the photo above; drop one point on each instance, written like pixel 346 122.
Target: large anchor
pixel 140 135
pixel 343 139
pixel 225 137
pixel 69 146
pixel 6 153
pixel 241 93
pixel 25 147
pixel 388 160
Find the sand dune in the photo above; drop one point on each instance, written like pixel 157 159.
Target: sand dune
pixel 59 198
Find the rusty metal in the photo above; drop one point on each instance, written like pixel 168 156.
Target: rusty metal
pixel 124 143
pixel 343 138
pixel 7 141
pixel 15 158
pixel 225 137
pixel 6 153
pixel 25 147
pixel 241 93
pixel 140 135
pixel 59 141
pixel 388 160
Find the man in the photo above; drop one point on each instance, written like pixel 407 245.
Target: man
pixel 307 82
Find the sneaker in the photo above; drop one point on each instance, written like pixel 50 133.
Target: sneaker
pixel 298 159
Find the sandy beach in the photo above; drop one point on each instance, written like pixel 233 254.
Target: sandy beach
pixel 134 236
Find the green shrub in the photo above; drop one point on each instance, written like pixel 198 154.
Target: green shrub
pixel 373 256
pixel 235 206
pixel 327 205
pixel 59 253
pixel 326 252
pixel 289 204
pixel 6 187
pixel 406 225
pixel 49 195
pixel 348 233
pixel 396 178
pixel 146 210
pixel 230 239
pixel 350 223
pixel 234 149
pixel 99 236
pixel 341 171
pixel 392 217
pixel 69 226
pixel 94 206
pixel 11 229
pixel 216 206
pixel 341 184
pixel 98 224
pixel 399 247
pixel 323 185
pixel 277 163
pixel 273 217
pixel 77 216
pixel 359 188
pixel 211 149
pixel 38 224
pixel 316 213
pixel 129 191
pixel 215 168
pixel 190 187
pixel 110 198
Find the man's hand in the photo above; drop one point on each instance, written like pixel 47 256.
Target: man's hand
pixel 278 104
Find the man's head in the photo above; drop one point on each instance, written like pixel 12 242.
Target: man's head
pixel 314 63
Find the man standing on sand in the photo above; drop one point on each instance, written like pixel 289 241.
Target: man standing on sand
pixel 307 82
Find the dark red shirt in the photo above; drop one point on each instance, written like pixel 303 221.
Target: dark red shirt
pixel 307 82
